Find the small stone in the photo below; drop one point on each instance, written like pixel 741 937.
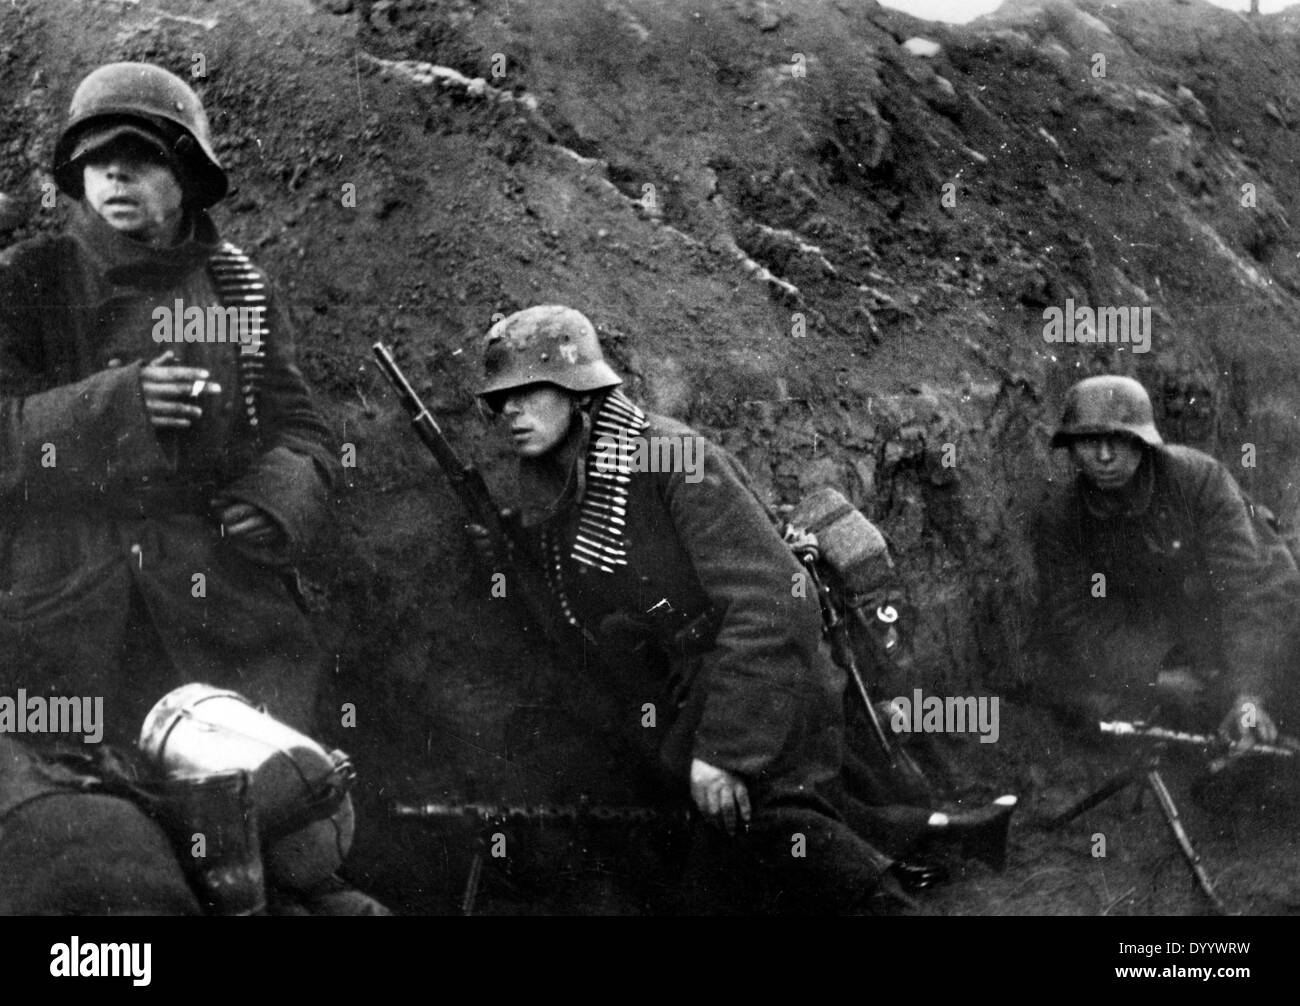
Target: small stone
pixel 923 48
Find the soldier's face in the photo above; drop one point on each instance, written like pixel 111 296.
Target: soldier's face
pixel 133 188
pixel 539 417
pixel 1108 462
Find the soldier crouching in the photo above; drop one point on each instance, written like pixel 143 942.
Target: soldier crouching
pixel 1168 595
pixel 673 590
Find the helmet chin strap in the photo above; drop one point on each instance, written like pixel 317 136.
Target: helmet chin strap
pixel 582 413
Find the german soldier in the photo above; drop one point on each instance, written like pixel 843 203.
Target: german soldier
pixel 675 578
pixel 156 482
pixel 1162 583
pixel 161 465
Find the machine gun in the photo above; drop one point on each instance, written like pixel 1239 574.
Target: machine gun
pixel 493 819
pixel 579 815
pixel 1224 752
pixel 1146 769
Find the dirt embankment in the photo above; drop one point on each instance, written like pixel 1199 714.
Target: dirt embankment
pixel 817 239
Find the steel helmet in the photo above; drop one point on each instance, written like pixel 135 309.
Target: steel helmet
pixel 148 101
pixel 548 344
pixel 1107 404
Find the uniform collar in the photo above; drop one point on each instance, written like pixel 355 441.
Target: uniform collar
pixel 127 262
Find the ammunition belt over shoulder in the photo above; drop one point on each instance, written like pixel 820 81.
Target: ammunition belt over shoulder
pixel 239 284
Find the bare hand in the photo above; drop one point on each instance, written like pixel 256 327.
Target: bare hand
pixel 488 549
pixel 1247 722
pixel 719 795
pixel 171 394
pixel 481 540
pixel 243 521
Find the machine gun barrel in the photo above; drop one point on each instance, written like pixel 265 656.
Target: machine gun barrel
pixel 1287 747
pixel 571 815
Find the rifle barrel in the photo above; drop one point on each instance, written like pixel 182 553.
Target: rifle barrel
pixel 398 379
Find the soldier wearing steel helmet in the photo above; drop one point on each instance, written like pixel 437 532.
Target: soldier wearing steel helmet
pixel 152 496
pixel 1163 591
pixel 674 592
pixel 132 465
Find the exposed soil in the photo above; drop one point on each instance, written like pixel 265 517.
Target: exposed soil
pixel 826 252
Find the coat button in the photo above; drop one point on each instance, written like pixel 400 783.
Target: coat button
pixel 115 362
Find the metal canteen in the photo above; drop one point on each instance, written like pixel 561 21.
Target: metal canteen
pixel 297 788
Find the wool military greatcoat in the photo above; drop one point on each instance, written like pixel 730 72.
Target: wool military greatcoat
pixel 752 691
pixel 1190 568
pixel 106 528
pixel 710 623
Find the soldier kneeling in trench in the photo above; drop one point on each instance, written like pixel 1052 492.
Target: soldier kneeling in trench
pixel 672 590
pixel 1167 595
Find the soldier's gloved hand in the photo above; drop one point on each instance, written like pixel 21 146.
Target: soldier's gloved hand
pixel 246 523
pixel 172 394
pixel 720 796
pixel 1247 721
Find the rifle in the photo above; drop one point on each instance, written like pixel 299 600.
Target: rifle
pixel 836 629
pixel 465 478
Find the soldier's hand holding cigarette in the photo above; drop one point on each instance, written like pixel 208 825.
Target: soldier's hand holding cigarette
pixel 173 395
